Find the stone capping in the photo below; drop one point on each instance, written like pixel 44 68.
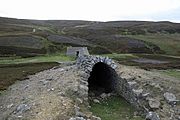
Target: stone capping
pixel 87 62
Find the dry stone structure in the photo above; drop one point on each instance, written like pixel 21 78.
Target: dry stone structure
pixel 126 88
pixel 77 51
pixel 122 86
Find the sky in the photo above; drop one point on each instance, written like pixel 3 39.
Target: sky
pixel 93 10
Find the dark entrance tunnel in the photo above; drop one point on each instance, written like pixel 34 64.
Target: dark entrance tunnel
pixel 102 79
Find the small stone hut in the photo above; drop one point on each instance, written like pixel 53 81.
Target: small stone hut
pixel 77 51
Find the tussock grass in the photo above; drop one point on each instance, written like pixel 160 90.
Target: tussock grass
pixel 172 72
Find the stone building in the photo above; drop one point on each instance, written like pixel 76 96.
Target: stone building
pixel 77 51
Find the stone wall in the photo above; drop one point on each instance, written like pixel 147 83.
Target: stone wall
pixel 127 88
pixel 74 51
pixel 123 87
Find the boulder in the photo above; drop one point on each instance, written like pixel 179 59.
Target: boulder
pixel 170 97
pixel 152 116
pixel 153 103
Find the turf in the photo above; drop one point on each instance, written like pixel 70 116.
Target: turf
pixel 115 108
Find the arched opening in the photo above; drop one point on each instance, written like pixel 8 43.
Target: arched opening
pixel 102 79
pixel 77 53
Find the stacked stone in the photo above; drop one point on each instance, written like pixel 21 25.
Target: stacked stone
pixel 87 62
pixel 129 91
pixel 126 88
pixel 123 88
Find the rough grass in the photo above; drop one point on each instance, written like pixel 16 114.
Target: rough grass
pixel 38 59
pixel 15 68
pixel 9 74
pixel 127 59
pixel 24 41
pixel 121 56
pixel 169 43
pixel 115 108
pixel 172 72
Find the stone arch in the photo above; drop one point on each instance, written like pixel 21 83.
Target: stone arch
pixel 126 88
pixel 97 73
pixel 122 86
pixel 102 79
pixel 86 62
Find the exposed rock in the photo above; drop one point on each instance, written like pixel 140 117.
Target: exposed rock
pixel 103 95
pixel 62 94
pixel 22 108
pixel 138 92
pixel 77 118
pixel 96 101
pixel 80 114
pixel 170 97
pixel 152 116
pixel 26 86
pixel 159 87
pixel 114 66
pixel 145 94
pixel 131 84
pixel 83 87
pixel 77 112
pixel 153 103
pixel 51 89
pixel 84 82
pixel 79 101
pixel 9 106
pixel 49 79
pixel 44 82
pixel 83 91
pixel 95 118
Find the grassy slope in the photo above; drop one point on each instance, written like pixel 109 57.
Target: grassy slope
pixel 16 68
pixel 170 43
pixel 9 74
pixel 173 62
pixel 101 34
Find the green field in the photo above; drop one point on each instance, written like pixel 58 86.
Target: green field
pixel 115 108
